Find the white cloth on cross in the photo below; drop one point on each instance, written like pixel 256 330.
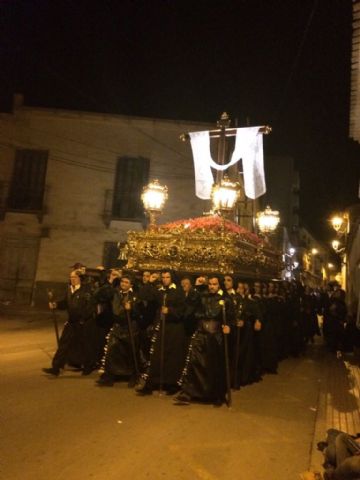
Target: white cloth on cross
pixel 248 148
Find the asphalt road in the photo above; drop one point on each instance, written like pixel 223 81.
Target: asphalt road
pixel 67 428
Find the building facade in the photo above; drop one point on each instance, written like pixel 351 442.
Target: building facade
pixel 70 186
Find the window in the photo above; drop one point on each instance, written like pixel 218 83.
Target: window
pixel 131 175
pixel 110 255
pixel 28 181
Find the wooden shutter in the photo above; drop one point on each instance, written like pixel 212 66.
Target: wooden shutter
pixel 28 180
pixel 131 175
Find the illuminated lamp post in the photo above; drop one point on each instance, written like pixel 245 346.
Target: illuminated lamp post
pixel 224 196
pixel 336 222
pixel 268 220
pixel 336 246
pixel 340 223
pixel 154 197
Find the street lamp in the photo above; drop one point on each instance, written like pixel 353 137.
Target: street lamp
pixel 224 196
pixel 336 246
pixel 268 220
pixel 314 251
pixel 340 223
pixel 154 197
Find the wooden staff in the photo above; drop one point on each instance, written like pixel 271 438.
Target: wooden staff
pixel 226 351
pixel 132 339
pixel 236 356
pixel 162 345
pixel 54 317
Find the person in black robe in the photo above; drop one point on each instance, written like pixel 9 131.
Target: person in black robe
pixel 297 344
pixel 229 285
pixel 148 306
pixel 167 351
pixel 257 297
pixel 75 340
pixel 122 342
pixel 336 318
pixel 204 374
pixel 192 298
pixel 247 313
pixel 309 315
pixel 269 331
pixel 103 297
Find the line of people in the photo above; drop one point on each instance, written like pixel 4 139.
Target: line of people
pixel 193 340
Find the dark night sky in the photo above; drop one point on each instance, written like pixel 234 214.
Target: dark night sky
pixel 280 62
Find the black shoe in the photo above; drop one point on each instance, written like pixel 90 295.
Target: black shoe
pixel 182 398
pixel 132 382
pixel 141 385
pixel 52 371
pixel 103 382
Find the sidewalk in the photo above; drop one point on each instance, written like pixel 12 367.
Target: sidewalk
pixel 339 400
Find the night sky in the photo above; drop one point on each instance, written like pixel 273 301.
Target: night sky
pixel 283 63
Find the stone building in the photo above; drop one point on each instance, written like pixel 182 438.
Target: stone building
pixel 354 130
pixel 70 185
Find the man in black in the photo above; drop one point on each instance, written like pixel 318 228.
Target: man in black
pixel 103 297
pixel 167 351
pixel 204 374
pixel 247 315
pixel 122 357
pixel 147 305
pixel 80 307
pixel 192 298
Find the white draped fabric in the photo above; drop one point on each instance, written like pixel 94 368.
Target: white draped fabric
pixel 248 148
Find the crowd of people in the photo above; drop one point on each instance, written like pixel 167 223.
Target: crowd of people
pixel 196 338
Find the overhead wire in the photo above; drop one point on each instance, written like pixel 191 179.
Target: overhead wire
pixel 296 61
pixel 98 168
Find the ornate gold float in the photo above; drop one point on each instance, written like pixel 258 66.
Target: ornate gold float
pixel 203 245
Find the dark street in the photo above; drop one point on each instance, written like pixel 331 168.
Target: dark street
pixel 67 428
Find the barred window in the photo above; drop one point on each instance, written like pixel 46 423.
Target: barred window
pixel 132 173
pixel 28 180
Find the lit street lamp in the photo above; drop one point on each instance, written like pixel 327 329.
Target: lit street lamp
pixel 224 196
pixel 336 222
pixel 340 223
pixel 336 246
pixel 154 197
pixel 268 220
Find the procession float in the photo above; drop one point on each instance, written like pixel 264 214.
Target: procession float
pixel 212 243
